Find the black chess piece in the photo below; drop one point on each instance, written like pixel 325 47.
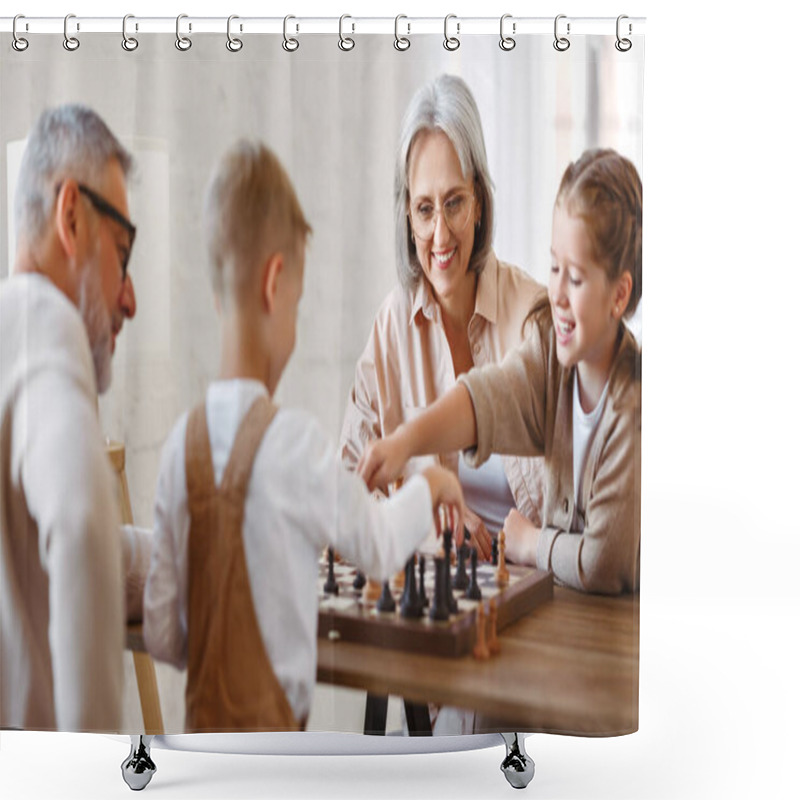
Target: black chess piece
pixel 460 580
pixel 360 581
pixel 410 607
pixel 495 551
pixel 331 587
pixel 452 603
pixel 473 590
pixel 386 601
pixel 440 610
pixel 423 598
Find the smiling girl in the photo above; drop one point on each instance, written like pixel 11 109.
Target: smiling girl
pixel 571 391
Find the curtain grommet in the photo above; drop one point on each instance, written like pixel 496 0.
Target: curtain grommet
pixel 561 43
pixel 289 44
pixel 401 43
pixel 451 43
pixel 234 43
pixel 183 43
pixel 70 43
pixel 19 43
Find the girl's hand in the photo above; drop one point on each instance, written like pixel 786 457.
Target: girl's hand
pixel 382 461
pixel 522 538
pixel 481 538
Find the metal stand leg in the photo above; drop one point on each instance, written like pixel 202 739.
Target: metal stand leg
pixel 138 768
pixel 375 715
pixel 517 766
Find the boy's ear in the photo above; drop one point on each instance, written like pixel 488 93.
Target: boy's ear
pixel 272 273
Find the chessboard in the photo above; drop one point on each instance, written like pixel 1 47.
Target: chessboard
pixel 350 616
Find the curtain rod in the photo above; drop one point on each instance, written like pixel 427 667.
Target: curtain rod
pixel 405 26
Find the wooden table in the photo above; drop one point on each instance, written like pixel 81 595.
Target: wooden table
pixel 572 665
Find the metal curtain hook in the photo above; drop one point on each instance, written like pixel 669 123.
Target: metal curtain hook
pixel 71 43
pixel 623 45
pixel 451 42
pixel 401 42
pixel 182 42
pixel 507 42
pixel 18 42
pixel 234 43
pixel 290 44
pixel 561 43
pixel 345 42
pixel 129 43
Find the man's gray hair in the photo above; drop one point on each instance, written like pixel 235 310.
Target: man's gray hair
pixel 444 104
pixel 70 141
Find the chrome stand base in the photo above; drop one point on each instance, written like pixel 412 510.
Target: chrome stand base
pixel 517 766
pixel 138 768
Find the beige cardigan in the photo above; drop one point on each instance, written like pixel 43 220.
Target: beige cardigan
pixel 524 407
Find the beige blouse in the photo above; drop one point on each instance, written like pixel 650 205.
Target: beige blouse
pixel 406 365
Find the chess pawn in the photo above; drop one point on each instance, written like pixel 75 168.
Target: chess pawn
pixel 386 602
pixel 460 581
pixel 501 577
pixel 440 609
pixel 359 581
pixel 410 607
pixel 473 590
pixel 492 642
pixel 480 651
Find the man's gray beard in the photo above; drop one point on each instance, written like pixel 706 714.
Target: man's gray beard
pixel 91 305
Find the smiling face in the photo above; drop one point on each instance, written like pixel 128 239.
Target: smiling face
pixel 439 191
pixel 586 306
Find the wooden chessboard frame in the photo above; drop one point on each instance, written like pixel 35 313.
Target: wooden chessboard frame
pixel 452 639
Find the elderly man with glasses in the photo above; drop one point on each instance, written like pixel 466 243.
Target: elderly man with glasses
pixel 62 600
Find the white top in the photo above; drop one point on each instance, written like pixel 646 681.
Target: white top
pixel 61 584
pixel 583 427
pixel 301 498
pixel 486 491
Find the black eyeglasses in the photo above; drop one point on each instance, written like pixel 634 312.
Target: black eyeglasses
pixel 102 206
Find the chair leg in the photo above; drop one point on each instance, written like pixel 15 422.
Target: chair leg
pixel 138 768
pixel 517 766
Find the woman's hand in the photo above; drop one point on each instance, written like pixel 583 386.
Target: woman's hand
pixel 522 538
pixel 446 491
pixel 383 460
pixel 481 538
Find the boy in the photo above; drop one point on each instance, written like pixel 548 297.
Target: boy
pixel 248 495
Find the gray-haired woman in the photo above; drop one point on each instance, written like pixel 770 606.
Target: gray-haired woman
pixel 456 306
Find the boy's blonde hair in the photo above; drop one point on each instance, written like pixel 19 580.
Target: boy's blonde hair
pixel 251 212
pixel 603 189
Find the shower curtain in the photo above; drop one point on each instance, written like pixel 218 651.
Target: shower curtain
pixel 333 117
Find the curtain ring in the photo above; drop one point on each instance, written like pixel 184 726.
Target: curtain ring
pixel 561 43
pixel 129 43
pixel 70 43
pixel 401 42
pixel 183 43
pixel 18 42
pixel 234 43
pixel 623 45
pixel 451 42
pixel 290 44
pixel 507 42
pixel 345 42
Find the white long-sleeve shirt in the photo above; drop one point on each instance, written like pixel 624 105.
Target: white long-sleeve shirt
pixel 61 583
pixel 300 499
